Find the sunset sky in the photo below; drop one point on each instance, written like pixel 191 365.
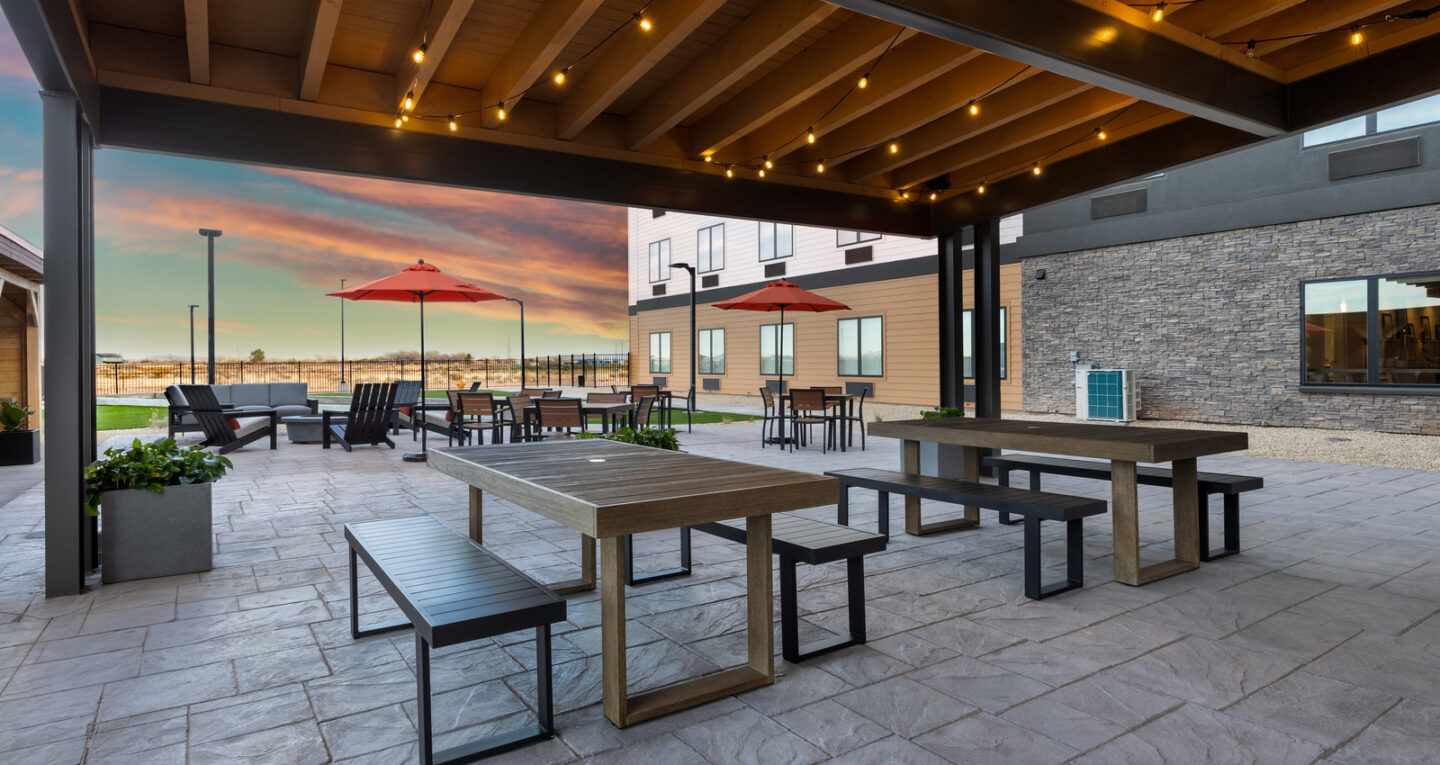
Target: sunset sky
pixel 289 237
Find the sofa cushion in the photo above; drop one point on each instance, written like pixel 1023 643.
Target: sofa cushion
pixel 250 394
pixel 222 393
pixel 248 425
pixel 175 396
pixel 293 410
pixel 288 393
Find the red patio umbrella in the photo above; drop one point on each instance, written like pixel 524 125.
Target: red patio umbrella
pixel 417 284
pixel 781 296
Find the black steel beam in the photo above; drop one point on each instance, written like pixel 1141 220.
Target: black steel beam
pixel 52 42
pixel 1081 41
pixel 986 324
pixel 951 283
pixel 1374 82
pixel 1150 152
pixel 207 130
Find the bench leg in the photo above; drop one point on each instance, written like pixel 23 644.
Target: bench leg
pixel 684 569
pixel 1002 477
pixel 355 631
pixel 790 611
pixel 490 745
pixel 842 505
pixel 1074 560
pixel 882 522
pixel 1231 531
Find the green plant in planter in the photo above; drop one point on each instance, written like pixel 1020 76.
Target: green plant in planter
pixel 941 412
pixel 660 438
pixel 13 416
pixel 150 467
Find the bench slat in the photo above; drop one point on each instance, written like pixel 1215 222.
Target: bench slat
pixel 1148 475
pixel 804 539
pixel 1045 505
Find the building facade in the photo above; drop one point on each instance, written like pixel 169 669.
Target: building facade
pixel 1296 283
pixel 22 276
pixel 887 340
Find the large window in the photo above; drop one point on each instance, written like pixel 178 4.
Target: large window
pixel 777 240
pixel 847 238
pixel 1419 112
pixel 660 260
pixel 712 351
pixel 710 248
pixel 861 347
pixel 1373 331
pixel 769 334
pixel 967 331
pixel 660 352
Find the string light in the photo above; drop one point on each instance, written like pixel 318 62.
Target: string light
pixel 500 112
pixel 864 81
pixel 1355 36
pixel 981 188
pixel 404 118
pixel 810 135
pixel 644 22
pixel 894 148
pixel 729 172
pixel 560 77
pixel 397 122
pixel 762 172
pixel 934 196
pixel 1100 133
pixel 820 167
pixel 1250 49
pixel 768 164
pixel 419 54
pixel 453 126
pixel 974 109
pixel 708 158
pixel 409 101
pixel 1036 169
pixel 1158 13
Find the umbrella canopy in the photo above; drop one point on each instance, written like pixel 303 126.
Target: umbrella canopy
pixel 782 296
pixel 419 283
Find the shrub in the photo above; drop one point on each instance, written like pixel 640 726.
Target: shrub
pixel 13 416
pixel 659 438
pixel 941 412
pixel 150 467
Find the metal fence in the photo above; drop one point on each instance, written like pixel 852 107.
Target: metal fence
pixel 324 376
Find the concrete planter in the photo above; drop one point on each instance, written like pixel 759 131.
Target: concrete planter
pixel 21 447
pixel 145 535
pixel 940 460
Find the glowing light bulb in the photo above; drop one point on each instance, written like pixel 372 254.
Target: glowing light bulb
pixel 729 172
pixel 810 135
pixel 1036 169
pixel 419 54
pixel 894 148
pixel 933 196
pixel 1355 36
pixel 560 78
pixel 820 168
pixel 1158 13
pixel 1101 134
pixel 974 109
pixel 864 81
pixel 500 113
pixel 709 158
pixel 453 126
pixel 762 172
pixel 405 118
pixel 768 163
pixel 644 23
pixel 980 189
pixel 409 100
pixel 397 122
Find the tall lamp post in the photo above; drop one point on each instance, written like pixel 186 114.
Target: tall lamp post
pixel 522 338
pixel 342 339
pixel 193 306
pixel 694 344
pixel 211 234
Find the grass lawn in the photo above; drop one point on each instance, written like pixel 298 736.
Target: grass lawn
pixel 128 417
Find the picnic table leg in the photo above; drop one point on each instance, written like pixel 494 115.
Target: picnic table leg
pixel 477 511
pixel 1125 511
pixel 1187 510
pixel 970 465
pixel 612 634
pixel 1125 521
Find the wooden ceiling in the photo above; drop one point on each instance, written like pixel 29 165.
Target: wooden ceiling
pixel 741 82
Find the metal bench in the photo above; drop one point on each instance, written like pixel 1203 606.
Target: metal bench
pixel 1228 486
pixel 1035 506
pixel 453 590
pixel 797 539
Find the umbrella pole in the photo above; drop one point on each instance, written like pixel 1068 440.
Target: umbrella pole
pixel 422 455
pixel 780 370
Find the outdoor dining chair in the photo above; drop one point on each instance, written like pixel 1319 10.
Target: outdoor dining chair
pixel 223 429
pixel 366 422
pixel 769 415
pixel 642 412
pixel 808 408
pixel 858 418
pixel 519 428
pixel 474 413
pixel 532 392
pixel 563 417
pixel 607 398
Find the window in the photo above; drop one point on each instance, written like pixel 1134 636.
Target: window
pixel 777 240
pixel 967 332
pixel 1400 313
pixel 847 238
pixel 660 260
pixel 1419 112
pixel 861 351
pixel 712 351
pixel 659 352
pixel 710 248
pixel 1340 131
pixel 768 336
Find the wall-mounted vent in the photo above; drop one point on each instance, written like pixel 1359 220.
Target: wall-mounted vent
pixel 661 381
pixel 656 213
pixel 656 290
pixel 710 383
pixel 1378 158
pixel 713 280
pixel 856 388
pixel 774 269
pixel 859 255
pixel 1123 203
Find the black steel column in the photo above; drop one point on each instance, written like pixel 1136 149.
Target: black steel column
pixel 69 342
pixel 987 318
pixel 210 234
pixel 951 279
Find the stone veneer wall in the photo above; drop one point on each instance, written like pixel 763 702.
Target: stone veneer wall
pixel 1211 324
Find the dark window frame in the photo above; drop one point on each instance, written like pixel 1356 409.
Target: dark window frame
pixel 707 232
pixel 1372 126
pixel 1373 367
pixel 860 238
pixel 859 347
pixel 775 239
pixel 700 357
pixel 779 349
pixel 668 358
pixel 650 255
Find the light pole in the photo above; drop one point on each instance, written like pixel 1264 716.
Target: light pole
pixel 211 234
pixel 193 306
pixel 342 339
pixel 694 345
pixel 522 338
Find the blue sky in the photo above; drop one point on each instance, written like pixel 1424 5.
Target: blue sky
pixel 290 236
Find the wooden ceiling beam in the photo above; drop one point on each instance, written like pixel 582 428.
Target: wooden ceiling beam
pixel 324 15
pixel 852 45
pixel 1384 79
pixel 1216 18
pixel 1317 16
pixel 764 33
pixel 1378 41
pixel 436 31
pixel 908 66
pixel 1086 109
pixel 1022 99
pixel 197 40
pixel 630 56
pixel 1110 46
pixel 533 54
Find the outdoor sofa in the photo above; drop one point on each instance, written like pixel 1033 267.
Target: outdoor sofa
pixel 289 399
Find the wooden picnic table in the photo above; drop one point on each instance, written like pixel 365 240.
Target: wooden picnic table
pixel 1122 446
pixel 605 490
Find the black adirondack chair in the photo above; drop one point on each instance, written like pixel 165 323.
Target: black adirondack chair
pixel 367 423
pixel 407 396
pixel 227 430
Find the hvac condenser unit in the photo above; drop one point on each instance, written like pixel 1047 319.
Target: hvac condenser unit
pixel 1106 395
